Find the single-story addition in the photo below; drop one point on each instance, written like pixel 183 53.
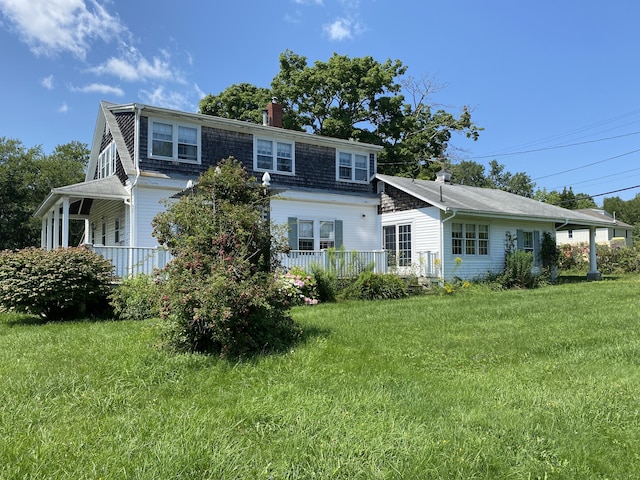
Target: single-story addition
pixel 620 234
pixel 468 229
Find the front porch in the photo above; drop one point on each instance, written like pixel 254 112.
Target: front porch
pixel 133 261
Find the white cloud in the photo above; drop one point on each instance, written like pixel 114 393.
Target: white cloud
pixel 132 66
pixel 55 26
pixel 186 100
pixel 47 82
pixel 339 29
pixel 63 108
pixel 99 88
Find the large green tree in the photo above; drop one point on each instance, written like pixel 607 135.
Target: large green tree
pixel 355 98
pixel 468 172
pixel 27 176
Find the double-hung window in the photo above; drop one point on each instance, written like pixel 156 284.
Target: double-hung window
pixel 107 161
pixel 314 234
pixel 174 141
pixel 274 156
pixel 352 166
pixel 469 239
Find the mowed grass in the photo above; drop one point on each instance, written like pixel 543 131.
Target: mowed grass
pixel 477 385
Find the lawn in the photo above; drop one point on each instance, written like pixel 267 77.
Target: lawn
pixel 476 385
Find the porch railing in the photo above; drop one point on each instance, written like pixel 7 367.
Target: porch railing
pixel 133 261
pixel 343 263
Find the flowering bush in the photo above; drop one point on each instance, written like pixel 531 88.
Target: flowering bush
pixel 298 288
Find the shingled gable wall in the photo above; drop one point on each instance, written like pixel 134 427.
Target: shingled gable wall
pixel 395 200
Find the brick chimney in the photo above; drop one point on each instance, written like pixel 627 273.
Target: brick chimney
pixel 274 114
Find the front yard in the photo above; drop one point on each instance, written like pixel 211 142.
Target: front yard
pixel 480 384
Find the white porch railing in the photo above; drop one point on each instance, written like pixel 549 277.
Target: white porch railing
pixel 132 261
pixel 429 264
pixel 343 263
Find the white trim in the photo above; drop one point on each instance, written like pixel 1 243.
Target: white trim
pixel 352 166
pixel 274 139
pixel 175 126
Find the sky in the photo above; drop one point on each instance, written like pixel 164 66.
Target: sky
pixel 554 84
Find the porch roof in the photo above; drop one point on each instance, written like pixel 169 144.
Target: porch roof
pixel 108 188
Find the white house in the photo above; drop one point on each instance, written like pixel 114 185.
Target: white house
pixel 142 155
pixel 467 229
pixel 619 234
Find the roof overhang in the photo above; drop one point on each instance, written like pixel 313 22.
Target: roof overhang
pixel 108 188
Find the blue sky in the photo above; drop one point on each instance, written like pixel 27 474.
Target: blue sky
pixel 555 84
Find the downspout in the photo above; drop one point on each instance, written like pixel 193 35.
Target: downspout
pixel 455 212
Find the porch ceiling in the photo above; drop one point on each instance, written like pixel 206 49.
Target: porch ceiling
pixel 108 188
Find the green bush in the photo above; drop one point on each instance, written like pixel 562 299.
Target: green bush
pixel 136 298
pixel 220 294
pixel 376 286
pixel 326 284
pixel 517 272
pixel 56 284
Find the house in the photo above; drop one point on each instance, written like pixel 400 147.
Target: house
pixel 467 229
pixel 142 155
pixel 329 195
pixel 620 234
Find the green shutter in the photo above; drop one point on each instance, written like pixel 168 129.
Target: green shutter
pixel 338 233
pixel 519 240
pixel 293 233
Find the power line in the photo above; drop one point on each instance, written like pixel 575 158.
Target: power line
pixel 557 146
pixel 587 165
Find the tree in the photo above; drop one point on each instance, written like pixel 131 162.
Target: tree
pixel 240 102
pixel 220 294
pixel 26 178
pixel 519 183
pixel 355 98
pixel 468 172
pixel 572 201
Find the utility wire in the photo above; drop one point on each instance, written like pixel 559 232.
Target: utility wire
pixel 587 165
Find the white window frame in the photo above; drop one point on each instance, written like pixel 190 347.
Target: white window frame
pixel 401 255
pixel 472 241
pixel 274 155
pixel 528 241
pixel 317 240
pixel 107 161
pixel 346 160
pixel 175 143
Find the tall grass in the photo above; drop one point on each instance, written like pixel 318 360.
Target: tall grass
pixel 477 385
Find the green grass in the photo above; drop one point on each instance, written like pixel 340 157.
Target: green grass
pixel 477 385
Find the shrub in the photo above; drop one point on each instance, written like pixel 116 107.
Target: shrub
pixel 517 272
pixel 55 284
pixel 220 295
pixel 299 286
pixel 136 298
pixel 326 284
pixel 376 286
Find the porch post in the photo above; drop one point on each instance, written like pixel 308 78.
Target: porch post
pixel 87 233
pixel 56 228
pixel 43 232
pixel 65 222
pixel 593 273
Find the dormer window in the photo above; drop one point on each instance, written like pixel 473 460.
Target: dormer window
pixel 271 155
pixel 174 141
pixel 352 167
pixel 107 161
